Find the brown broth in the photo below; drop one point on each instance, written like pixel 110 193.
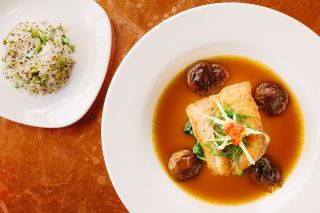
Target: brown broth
pixel 285 131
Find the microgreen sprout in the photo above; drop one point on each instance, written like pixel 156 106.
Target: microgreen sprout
pixel 229 133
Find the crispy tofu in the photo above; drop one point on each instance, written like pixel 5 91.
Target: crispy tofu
pixel 239 98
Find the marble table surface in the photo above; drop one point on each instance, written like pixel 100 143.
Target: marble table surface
pixel 62 170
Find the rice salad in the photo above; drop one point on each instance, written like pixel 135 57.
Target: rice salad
pixel 38 57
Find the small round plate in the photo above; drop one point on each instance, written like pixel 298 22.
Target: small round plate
pixel 89 29
pixel 282 43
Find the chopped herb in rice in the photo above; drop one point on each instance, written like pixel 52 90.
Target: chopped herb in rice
pixel 38 57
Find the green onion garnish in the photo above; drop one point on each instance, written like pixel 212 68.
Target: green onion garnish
pixel 34 33
pixel 39 47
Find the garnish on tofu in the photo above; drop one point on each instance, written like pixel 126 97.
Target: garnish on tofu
pixel 230 135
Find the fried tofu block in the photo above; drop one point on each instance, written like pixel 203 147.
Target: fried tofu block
pixel 239 98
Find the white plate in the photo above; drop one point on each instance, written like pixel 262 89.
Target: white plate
pixel 282 43
pixel 89 29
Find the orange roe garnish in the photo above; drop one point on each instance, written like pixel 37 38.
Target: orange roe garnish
pixel 235 130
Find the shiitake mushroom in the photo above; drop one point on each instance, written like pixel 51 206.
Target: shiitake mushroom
pixel 184 165
pixel 205 78
pixel 271 97
pixel 266 172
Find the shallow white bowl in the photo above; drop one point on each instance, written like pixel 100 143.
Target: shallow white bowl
pixel 89 29
pixel 280 42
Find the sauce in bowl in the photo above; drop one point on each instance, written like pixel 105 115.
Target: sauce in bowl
pixel 286 133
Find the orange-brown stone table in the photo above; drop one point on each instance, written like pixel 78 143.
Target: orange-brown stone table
pixel 62 170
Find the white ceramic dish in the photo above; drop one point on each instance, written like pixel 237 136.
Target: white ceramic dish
pixel 89 29
pixel 282 43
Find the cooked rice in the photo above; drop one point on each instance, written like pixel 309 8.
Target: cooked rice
pixel 37 57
